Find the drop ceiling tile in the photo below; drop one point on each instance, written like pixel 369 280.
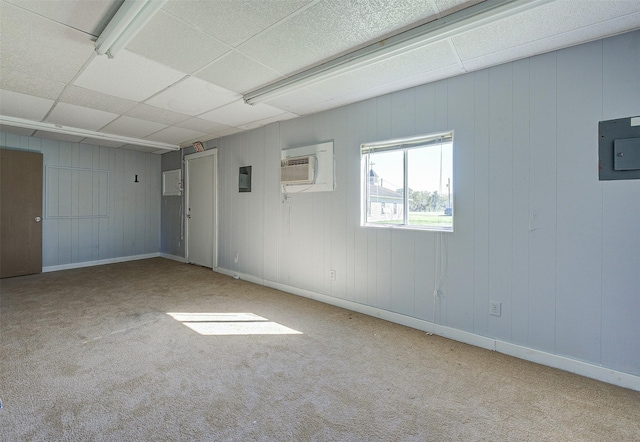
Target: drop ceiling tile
pixel 80 117
pixel 315 108
pixel 95 100
pixel 404 83
pixel 151 113
pixel 406 65
pixel 536 24
pixel 132 127
pixel 58 137
pixel 331 27
pixel 282 117
pixel 222 133
pixel 176 44
pixel 238 73
pixel 201 125
pixel 127 75
pixel 233 21
pixel 554 42
pixel 88 16
pixel 29 84
pixel 59 55
pixel 105 143
pixel 297 99
pixel 15 104
pixel 238 113
pixel 175 135
pixel 192 96
pixel 16 130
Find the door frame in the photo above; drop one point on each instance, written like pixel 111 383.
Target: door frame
pixel 214 246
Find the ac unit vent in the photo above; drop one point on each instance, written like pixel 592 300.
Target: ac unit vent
pixel 298 170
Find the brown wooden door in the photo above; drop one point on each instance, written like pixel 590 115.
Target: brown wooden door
pixel 20 213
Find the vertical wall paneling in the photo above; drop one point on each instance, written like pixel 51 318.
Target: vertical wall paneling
pixel 621 208
pixel 357 130
pixel 371 117
pixel 402 272
pixel 578 296
pixel 272 202
pixel 384 268
pixel 255 158
pixel 65 237
pixel 459 295
pixel 352 188
pixel 500 196
pixel 335 127
pixel 50 226
pixel 320 224
pixel 95 203
pixel 481 203
pixel 543 202
pixel 225 163
pixel 520 204
pixel 243 200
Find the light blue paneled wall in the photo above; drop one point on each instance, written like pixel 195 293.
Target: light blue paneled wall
pixel 534 228
pixel 93 208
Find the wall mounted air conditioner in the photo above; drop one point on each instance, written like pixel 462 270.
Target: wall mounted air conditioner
pixel 298 170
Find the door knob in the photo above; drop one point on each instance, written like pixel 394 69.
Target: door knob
pixel 38 219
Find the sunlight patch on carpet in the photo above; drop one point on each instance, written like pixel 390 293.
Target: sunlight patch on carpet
pixel 218 324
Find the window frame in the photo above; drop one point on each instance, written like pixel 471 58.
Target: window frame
pixel 404 145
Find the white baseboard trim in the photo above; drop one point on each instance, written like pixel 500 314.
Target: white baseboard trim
pixel 77 265
pixel 581 368
pixel 173 257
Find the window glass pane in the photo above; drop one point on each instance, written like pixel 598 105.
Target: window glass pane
pixel 384 188
pixel 408 183
pixel 430 178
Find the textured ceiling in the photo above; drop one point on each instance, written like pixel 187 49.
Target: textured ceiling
pixel 183 76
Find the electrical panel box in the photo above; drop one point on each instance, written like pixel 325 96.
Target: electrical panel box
pixel 619 149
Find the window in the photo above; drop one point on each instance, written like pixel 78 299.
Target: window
pixel 415 175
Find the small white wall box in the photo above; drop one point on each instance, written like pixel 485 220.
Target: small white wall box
pixel 308 168
pixel 172 183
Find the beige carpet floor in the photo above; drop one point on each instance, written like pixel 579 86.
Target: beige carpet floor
pixel 91 354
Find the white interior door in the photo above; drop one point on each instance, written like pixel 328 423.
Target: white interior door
pixel 200 171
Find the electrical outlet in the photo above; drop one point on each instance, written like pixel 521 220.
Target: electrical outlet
pixel 332 275
pixel 495 308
